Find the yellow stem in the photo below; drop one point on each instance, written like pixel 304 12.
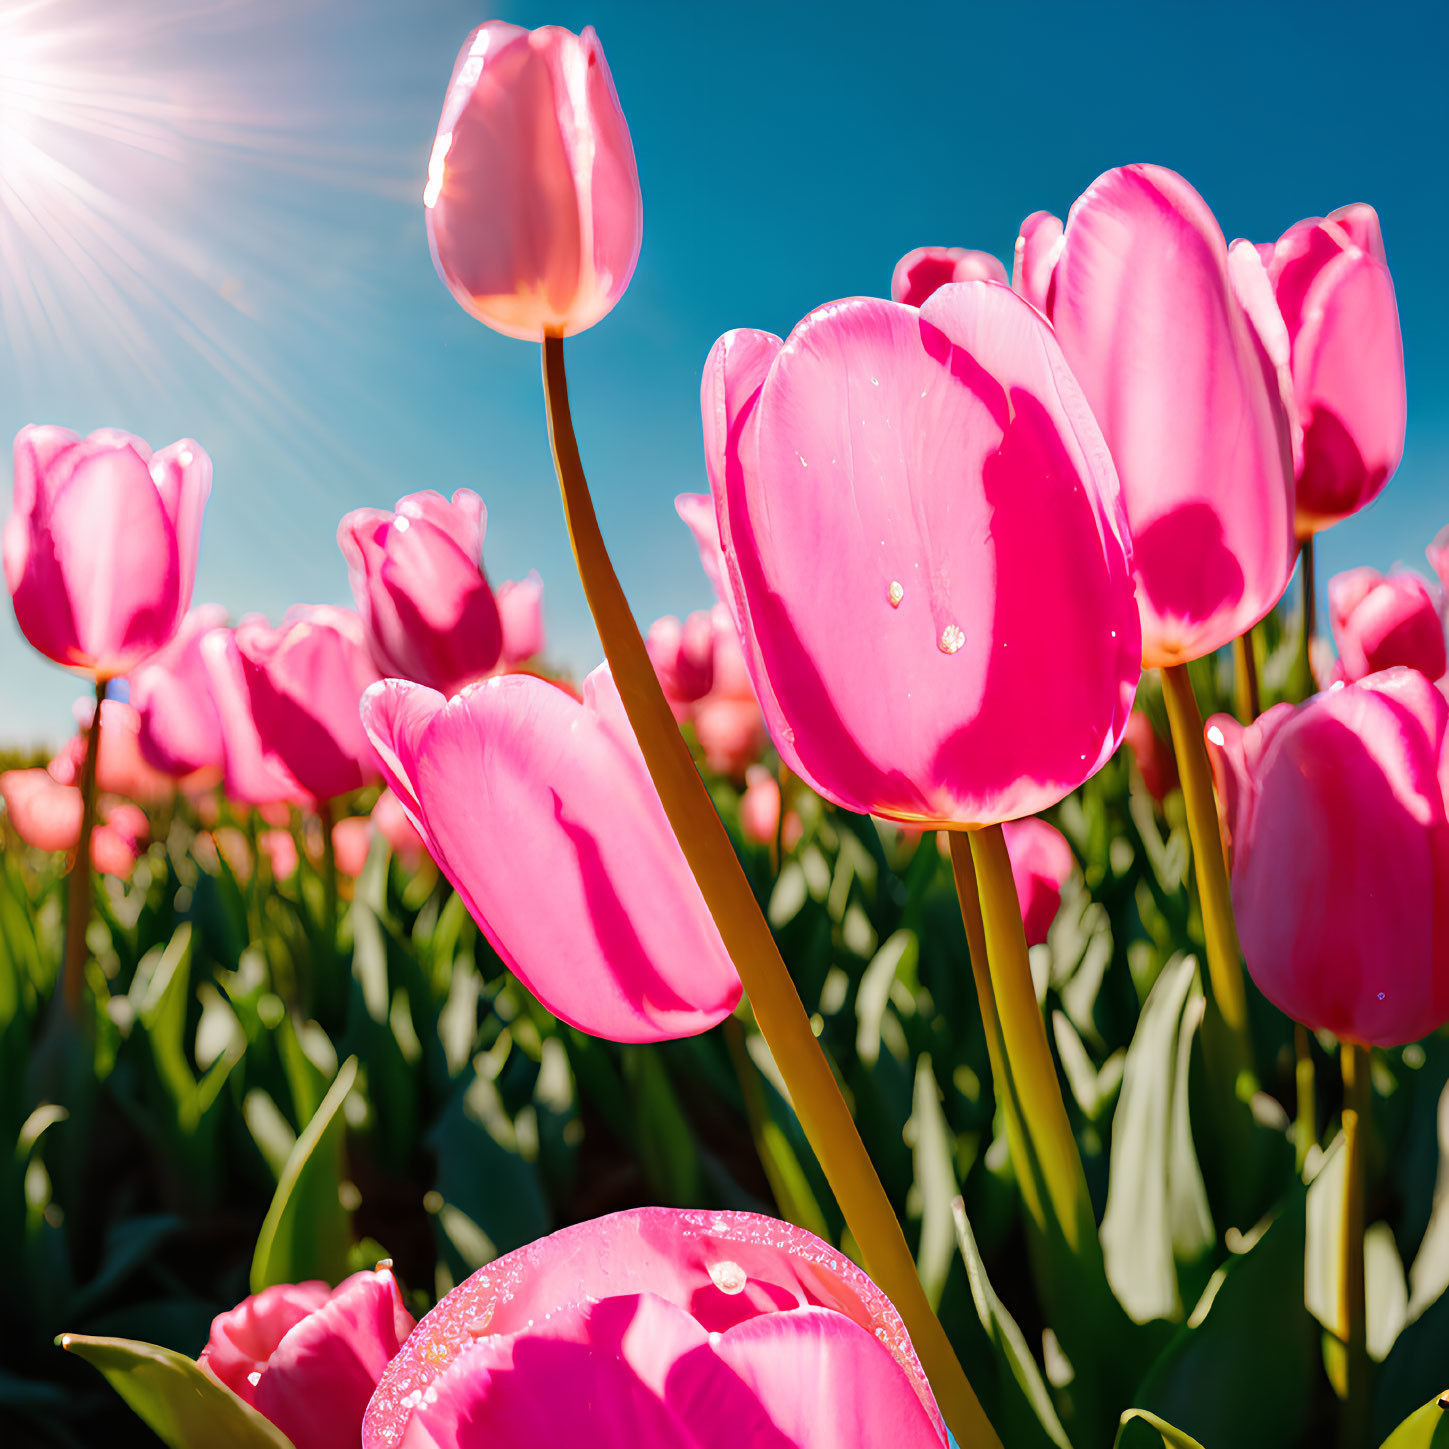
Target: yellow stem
pixel 78 891
pixel 1305 1120
pixel 1245 678
pixel 1354 1061
pixel 814 1092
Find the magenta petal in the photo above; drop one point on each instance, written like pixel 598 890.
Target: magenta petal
pixel 1035 258
pixel 180 730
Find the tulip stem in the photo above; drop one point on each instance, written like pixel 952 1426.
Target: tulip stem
pixel 781 1017
pixel 1224 958
pixel 1354 1062
pixel 79 891
pixel 1304 682
pixel 1245 678
pixel 1305 1120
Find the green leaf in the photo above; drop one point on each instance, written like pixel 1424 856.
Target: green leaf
pixel 184 1406
pixel 307 1232
pixel 662 1131
pixel 1171 1438
pixel 935 1181
pixel 1425 1428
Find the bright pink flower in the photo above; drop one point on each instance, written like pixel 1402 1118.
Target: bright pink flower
pixel 391 821
pixel 923 271
pixel 532 201
pixel 1181 355
pixel 1336 298
pixel 121 769
pixel 1336 816
pixel 47 815
pixel 658 1329
pixel 308 1357
pixel 1153 754
pixel 760 806
pixel 180 731
pixel 1041 861
pixel 1379 622
pixel 1034 258
pixel 304 681
pixel 100 549
pixel 541 812
pixel 926 554
pixel 683 657
pixel 520 612
pixel 417 577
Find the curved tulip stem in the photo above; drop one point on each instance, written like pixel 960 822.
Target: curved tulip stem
pixel 1354 1062
pixel 1305 1119
pixel 1224 957
pixel 814 1091
pixel 78 889
pixel 1245 678
pixel 1021 1058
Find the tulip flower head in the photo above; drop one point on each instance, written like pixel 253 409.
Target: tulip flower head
pixel 1336 816
pixel 925 554
pixel 539 809
pixel 923 271
pixel 1180 353
pixel 100 548
pixel 532 202
pixel 307 1357
pixel 1155 760
pixel 520 616
pixel 1041 862
pixel 1379 622
pixel 654 1329
pixel 47 815
pixel 180 731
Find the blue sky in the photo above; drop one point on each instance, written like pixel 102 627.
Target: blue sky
pixel 252 268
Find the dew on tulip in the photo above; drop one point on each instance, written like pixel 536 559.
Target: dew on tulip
pixel 728 1277
pixel 896 593
pixel 953 636
pixel 1215 734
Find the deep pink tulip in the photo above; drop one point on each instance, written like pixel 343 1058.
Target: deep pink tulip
pixel 121 768
pixel 1336 817
pixel 1380 621
pixel 308 1357
pixel 1336 297
pixel 532 201
pixel 1041 862
pixel 47 815
pixel 923 271
pixel 180 731
pixel 390 821
pixel 683 657
pixel 926 493
pixel 541 812
pixel 417 577
pixel 658 1329
pixel 100 548
pixel 1182 356
pixel 760 806
pixel 520 613
pixel 304 681
pixel 1155 760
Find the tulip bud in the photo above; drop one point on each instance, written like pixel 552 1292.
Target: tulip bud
pixel 1041 861
pixel 532 201
pixel 1379 622
pixel 923 271
pixel 520 614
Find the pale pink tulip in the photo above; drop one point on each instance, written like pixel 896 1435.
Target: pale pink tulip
pixel 520 612
pixel 280 848
pixel 1041 862
pixel 683 657
pixel 541 812
pixel 924 543
pixel 47 815
pixel 121 768
pixel 351 838
pixel 657 1329
pixel 307 1357
pixel 1438 556
pixel 100 548
pixel 1182 358
pixel 180 732
pixel 391 821
pixel 921 272
pixel 532 200
pixel 760 806
pixel 1336 817
pixel 1380 621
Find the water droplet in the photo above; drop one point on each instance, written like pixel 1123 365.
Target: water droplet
pixel 875 382
pixel 1381 995
pixel 803 463
pixel 728 1277
pixel 1215 735
pixel 402 523
pixel 953 636
pixel 255 1377
pixel 1114 633
pixel 895 594
pixel 714 1339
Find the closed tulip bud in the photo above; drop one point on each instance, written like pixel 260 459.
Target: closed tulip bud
pixel 656 1329
pixel 683 656
pixel 591 905
pixel 1180 353
pixel 1041 862
pixel 1335 814
pixel 532 201
pixel 100 548
pixel 760 806
pixel 308 1357
pixel 304 681
pixel 1379 622
pixel 923 271
pixel 925 490
pixel 1336 297
pixel 520 615
pixel 417 579
pixel 180 731
pixel 1155 761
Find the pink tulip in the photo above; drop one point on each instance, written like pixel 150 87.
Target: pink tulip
pixel 923 271
pixel 390 821
pixel 1176 349
pixel 100 550
pixel 1155 760
pixel 417 577
pixel 520 613
pixel 760 806
pixel 1379 622
pixel 658 1329
pixel 1336 817
pixel 1041 862
pixel 121 768
pixel 696 512
pixel 250 776
pixel 1336 298
pixel 308 1357
pixel 541 812
pixel 180 732
pixel 928 563
pixel 351 839
pixel 47 815
pixel 683 657
pixel 280 848
pixel 304 681
pixel 1438 556
pixel 532 201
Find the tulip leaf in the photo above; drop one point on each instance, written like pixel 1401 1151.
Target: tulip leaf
pixel 1425 1428
pixel 183 1405
pixel 307 1231
pixel 1144 1422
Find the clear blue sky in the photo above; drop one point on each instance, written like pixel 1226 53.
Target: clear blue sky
pixel 243 257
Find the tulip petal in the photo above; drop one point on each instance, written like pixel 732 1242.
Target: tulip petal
pixel 927 269
pixel 1035 258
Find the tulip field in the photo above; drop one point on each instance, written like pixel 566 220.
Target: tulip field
pixel 981 983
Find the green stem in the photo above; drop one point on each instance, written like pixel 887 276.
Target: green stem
pixel 781 1017
pixel 79 895
pixel 1305 1121
pixel 1354 1061
pixel 1245 678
